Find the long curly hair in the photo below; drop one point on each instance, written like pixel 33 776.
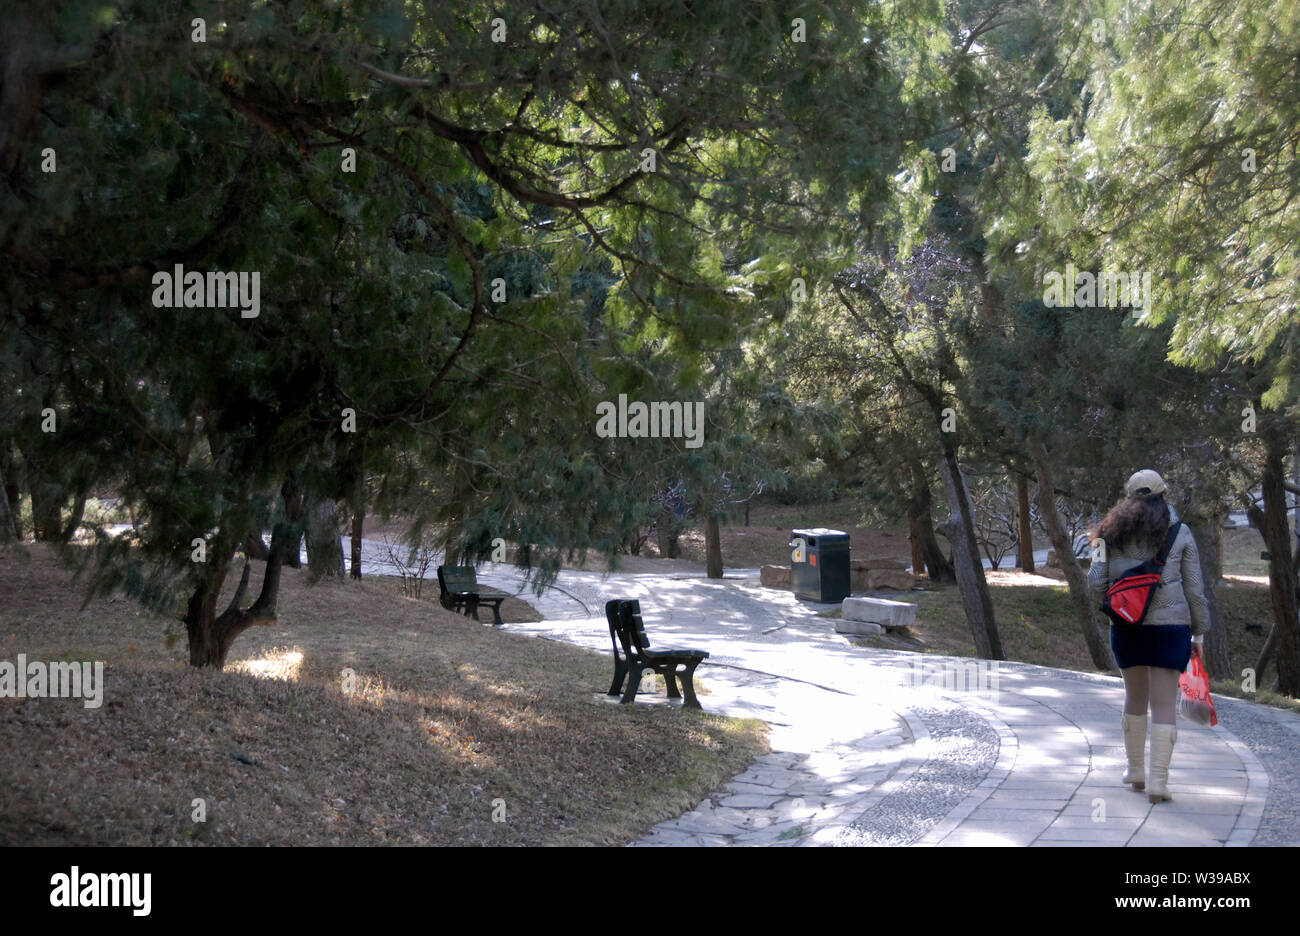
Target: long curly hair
pixel 1143 521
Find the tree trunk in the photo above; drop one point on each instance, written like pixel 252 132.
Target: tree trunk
pixel 1208 532
pixel 293 507
pixel 324 545
pixel 1025 541
pixel 920 523
pixel 358 525
pixel 1295 479
pixel 666 535
pixel 1265 655
pixel 11 489
pixel 970 570
pixel 47 525
pixel 210 642
pixel 1093 635
pixel 255 547
pixel 1218 552
pixel 74 519
pixel 211 634
pixel 8 526
pixel 914 540
pixel 713 548
pixel 1283 636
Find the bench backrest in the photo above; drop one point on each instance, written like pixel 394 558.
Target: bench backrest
pixel 457 578
pixel 626 629
pixel 616 635
pixel 630 614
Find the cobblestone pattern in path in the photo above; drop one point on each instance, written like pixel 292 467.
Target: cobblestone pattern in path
pixel 1269 738
pixel 963 750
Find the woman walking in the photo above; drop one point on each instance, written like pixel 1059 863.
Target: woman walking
pixel 1153 654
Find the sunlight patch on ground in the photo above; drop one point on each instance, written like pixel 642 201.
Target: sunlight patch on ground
pixel 1248 579
pixel 1042 692
pixel 1022 578
pixel 280 663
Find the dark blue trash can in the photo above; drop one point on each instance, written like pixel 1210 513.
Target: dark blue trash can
pixel 821 572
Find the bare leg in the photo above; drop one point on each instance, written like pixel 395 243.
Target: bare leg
pixel 1137 689
pixel 1164 695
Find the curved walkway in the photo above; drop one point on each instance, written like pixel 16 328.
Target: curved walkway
pixel 882 747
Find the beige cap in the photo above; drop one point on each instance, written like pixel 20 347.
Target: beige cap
pixel 1144 484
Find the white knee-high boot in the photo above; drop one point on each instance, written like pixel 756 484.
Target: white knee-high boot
pixel 1135 745
pixel 1162 750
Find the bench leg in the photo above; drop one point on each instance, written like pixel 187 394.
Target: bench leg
pixel 496 614
pixel 688 686
pixel 471 608
pixel 633 683
pixel 620 673
pixel 670 677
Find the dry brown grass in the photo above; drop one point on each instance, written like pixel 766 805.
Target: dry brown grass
pixel 448 715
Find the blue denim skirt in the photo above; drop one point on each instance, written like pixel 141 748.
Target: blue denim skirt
pixel 1168 646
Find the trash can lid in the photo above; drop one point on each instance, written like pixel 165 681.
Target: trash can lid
pixel 820 532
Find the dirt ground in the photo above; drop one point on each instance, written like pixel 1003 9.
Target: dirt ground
pixel 454 733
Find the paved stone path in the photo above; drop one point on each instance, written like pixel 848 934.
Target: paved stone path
pixel 873 746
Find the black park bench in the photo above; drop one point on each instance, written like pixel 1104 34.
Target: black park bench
pixel 632 656
pixel 459 588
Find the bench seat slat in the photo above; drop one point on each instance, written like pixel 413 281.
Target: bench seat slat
pixel 689 654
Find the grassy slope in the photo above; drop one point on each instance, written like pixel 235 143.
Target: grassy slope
pixel 448 716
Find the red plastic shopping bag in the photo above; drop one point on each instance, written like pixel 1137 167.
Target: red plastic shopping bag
pixel 1195 703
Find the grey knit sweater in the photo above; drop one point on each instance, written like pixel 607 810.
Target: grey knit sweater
pixel 1180 599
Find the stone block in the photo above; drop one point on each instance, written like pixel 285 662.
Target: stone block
pixel 857 628
pixel 1054 561
pixel 774 576
pixel 880 611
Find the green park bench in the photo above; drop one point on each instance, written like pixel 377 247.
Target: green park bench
pixel 459 588
pixel 632 656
